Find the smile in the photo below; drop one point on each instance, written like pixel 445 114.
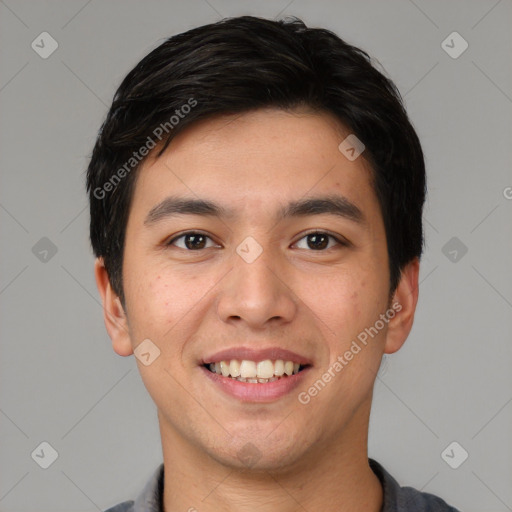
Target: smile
pixel 253 372
pixel 255 375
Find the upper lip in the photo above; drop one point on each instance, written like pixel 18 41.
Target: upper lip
pixel 251 354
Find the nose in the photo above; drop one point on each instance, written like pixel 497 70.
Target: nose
pixel 256 294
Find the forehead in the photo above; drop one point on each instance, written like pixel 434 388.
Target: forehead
pixel 256 159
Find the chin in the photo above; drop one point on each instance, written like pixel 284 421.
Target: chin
pixel 256 453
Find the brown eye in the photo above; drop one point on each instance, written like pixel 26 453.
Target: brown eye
pixel 318 241
pixel 192 241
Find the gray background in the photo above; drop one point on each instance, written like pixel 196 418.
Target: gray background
pixel 60 380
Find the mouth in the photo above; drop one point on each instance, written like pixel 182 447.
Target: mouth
pixel 255 375
pixel 255 372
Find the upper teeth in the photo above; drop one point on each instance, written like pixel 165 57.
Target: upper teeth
pixel 255 370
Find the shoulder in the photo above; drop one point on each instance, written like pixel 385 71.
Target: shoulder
pixel 126 506
pixel 405 499
pixel 149 500
pixel 412 499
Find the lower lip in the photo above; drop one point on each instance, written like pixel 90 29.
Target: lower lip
pixel 256 392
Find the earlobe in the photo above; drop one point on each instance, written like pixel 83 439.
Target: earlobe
pixel 113 312
pixel 404 304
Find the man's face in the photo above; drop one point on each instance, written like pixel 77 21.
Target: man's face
pixel 258 282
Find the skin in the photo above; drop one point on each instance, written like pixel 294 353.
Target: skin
pixel 315 302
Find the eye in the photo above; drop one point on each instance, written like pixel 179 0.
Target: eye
pixel 192 240
pixel 319 240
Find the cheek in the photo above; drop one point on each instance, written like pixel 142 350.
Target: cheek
pixel 164 302
pixel 152 304
pixel 346 304
pixel 342 299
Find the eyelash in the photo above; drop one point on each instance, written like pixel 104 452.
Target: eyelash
pixel 317 232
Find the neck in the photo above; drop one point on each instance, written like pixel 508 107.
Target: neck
pixel 333 475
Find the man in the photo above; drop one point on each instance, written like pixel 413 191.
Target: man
pixel 256 201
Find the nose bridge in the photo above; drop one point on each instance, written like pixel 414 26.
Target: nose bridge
pixel 254 290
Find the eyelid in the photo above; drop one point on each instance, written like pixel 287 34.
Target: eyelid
pixel 170 241
pixel 338 238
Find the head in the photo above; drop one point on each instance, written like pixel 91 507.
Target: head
pixel 240 124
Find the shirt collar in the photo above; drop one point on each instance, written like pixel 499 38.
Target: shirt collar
pixel 151 497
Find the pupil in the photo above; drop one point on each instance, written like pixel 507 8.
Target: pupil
pixel 195 241
pixel 318 241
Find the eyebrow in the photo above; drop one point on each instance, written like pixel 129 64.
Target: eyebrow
pixel 331 204
pixel 172 206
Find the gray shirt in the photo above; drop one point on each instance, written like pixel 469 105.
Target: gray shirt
pixel 396 498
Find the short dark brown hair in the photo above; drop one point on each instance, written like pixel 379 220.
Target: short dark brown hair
pixel 242 64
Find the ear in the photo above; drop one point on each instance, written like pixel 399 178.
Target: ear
pixel 113 313
pixel 404 303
